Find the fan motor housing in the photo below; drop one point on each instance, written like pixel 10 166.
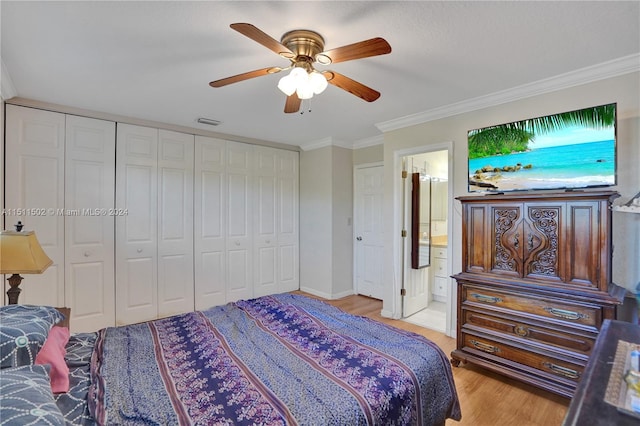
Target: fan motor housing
pixel 303 43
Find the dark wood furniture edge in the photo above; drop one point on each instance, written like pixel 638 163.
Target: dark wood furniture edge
pixel 589 395
pixel 67 316
pixel 515 371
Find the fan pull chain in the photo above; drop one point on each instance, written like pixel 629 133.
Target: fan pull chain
pixel 308 106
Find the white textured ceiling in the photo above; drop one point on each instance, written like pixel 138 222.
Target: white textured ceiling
pixel 153 60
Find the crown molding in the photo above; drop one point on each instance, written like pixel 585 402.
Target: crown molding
pixel 330 141
pixel 367 142
pixel 613 68
pixel 7 89
pixel 324 142
pixel 320 143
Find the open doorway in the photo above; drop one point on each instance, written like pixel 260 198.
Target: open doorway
pixel 426 299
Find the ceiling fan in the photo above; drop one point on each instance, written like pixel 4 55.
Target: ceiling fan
pixel 304 48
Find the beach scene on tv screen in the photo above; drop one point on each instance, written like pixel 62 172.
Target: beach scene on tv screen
pixel 563 151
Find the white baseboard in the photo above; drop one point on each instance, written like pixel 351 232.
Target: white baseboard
pixel 439 298
pixel 387 314
pixel 325 295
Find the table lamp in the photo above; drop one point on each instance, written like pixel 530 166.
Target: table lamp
pixel 20 253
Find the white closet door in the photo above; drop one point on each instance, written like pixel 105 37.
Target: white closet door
pixel 287 229
pixel 265 212
pixel 34 191
pixel 175 223
pixel 90 222
pixel 239 277
pixel 136 232
pixel 210 222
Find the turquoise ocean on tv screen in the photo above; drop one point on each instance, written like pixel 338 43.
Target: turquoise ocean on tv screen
pixel 577 165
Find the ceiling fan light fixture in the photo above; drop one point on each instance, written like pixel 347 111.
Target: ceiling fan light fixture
pixel 303 48
pixel 304 91
pixel 318 82
pixel 304 84
pixel 287 85
pixel 298 74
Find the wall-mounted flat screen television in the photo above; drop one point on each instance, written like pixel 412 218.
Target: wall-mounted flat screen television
pixel 570 150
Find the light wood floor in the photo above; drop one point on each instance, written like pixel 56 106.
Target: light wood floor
pixel 486 399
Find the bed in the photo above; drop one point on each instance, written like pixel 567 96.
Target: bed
pixel 275 360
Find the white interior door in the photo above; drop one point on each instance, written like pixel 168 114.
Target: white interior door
pixel 34 191
pixel 416 281
pixel 175 223
pixel 136 232
pixel 90 222
pixel 209 222
pixel 368 230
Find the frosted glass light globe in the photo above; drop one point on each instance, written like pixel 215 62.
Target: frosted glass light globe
pixel 318 82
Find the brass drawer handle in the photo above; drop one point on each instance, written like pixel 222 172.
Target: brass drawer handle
pixel 565 314
pixel 521 331
pixel 485 347
pixel 563 371
pixel 485 298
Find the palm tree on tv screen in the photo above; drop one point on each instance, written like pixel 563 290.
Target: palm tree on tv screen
pixel 515 137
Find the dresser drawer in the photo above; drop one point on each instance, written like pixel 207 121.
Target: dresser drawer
pixel 440 286
pixel 439 267
pixel 535 333
pixel 570 313
pixel 439 252
pixel 550 365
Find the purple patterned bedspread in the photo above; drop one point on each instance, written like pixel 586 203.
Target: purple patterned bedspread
pixel 276 360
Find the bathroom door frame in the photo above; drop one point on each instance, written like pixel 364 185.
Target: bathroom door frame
pixel 400 257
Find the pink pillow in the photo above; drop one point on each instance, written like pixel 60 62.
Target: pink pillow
pixel 52 353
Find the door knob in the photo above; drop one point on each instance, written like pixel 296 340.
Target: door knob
pixel 359 238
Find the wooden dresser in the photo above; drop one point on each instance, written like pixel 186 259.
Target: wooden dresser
pixel 536 284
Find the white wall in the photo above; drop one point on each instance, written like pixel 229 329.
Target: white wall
pixel 370 154
pixel 626 229
pixel 326 206
pixel 315 223
pixel 342 219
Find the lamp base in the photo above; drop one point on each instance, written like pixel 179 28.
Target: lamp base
pixel 14 291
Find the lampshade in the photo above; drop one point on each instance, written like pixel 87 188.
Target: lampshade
pixel 21 253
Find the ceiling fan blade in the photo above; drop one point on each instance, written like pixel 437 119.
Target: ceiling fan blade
pixel 292 104
pixel 244 76
pixel 351 86
pixel 264 39
pixel 363 49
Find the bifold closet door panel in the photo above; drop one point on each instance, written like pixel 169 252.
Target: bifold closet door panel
pixel 137 231
pixel 175 223
pixel 287 221
pixel 265 221
pixel 210 222
pixel 246 221
pixel 90 222
pixel 239 242
pixel 34 193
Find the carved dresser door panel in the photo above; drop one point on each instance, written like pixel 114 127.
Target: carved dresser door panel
pixel 542 242
pixel 507 241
